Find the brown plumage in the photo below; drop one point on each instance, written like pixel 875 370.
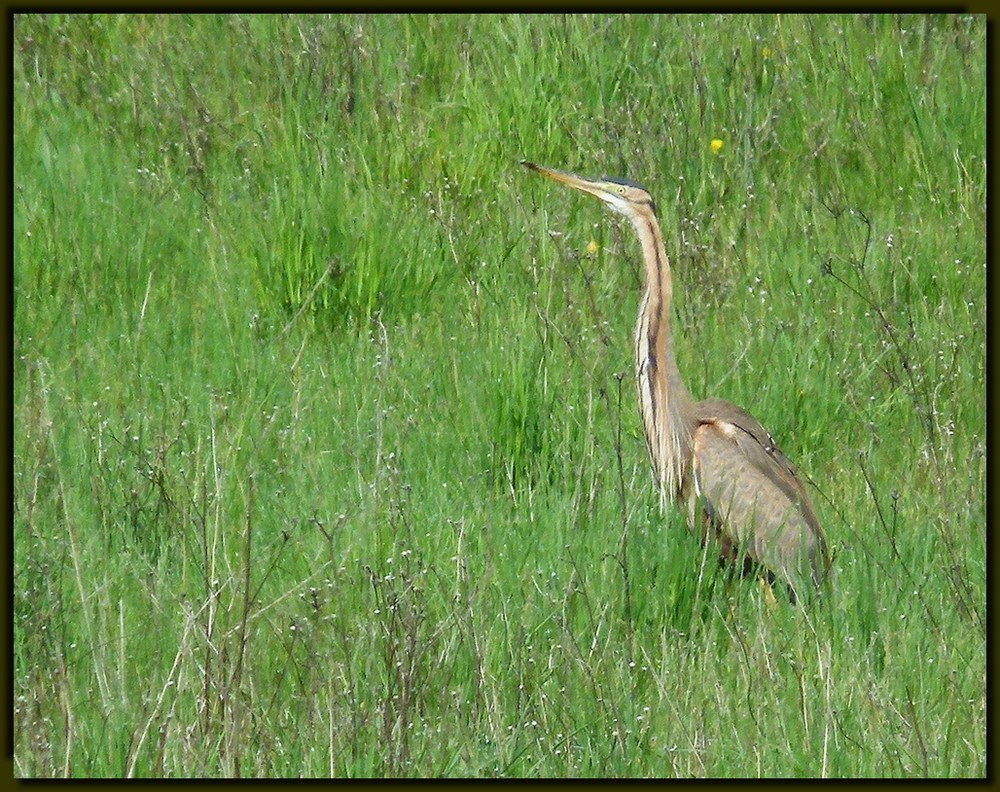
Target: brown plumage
pixel 710 455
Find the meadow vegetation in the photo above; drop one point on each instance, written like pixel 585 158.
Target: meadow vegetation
pixel 327 460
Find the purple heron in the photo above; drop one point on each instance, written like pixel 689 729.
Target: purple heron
pixel 709 455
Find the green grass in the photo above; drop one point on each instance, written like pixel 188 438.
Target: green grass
pixel 327 459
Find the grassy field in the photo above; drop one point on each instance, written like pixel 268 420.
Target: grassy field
pixel 326 453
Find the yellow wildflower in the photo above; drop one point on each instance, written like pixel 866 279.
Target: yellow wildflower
pixel 716 145
pixel 592 246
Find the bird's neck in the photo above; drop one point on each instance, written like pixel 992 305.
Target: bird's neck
pixel 666 405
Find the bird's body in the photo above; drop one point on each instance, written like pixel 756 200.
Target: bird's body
pixel 710 456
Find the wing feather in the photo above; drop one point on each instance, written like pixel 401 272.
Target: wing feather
pixel 749 491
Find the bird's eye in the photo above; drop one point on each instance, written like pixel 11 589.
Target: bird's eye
pixel 621 189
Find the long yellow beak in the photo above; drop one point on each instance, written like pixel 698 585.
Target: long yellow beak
pixel 597 188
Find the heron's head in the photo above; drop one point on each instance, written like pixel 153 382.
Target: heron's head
pixel 622 196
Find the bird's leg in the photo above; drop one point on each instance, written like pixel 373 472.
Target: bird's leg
pixel 729 558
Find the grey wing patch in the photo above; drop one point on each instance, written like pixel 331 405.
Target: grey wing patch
pixel 764 454
pixel 742 490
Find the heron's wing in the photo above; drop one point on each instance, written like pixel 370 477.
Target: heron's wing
pixel 750 492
